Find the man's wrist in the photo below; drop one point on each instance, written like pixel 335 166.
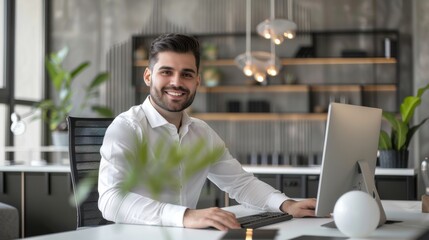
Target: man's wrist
pixel 286 204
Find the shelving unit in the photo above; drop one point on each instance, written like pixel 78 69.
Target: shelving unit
pixel 284 118
pixel 296 61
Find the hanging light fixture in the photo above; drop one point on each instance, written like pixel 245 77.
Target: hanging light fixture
pixel 245 60
pixel 278 29
pixel 273 64
pixel 256 64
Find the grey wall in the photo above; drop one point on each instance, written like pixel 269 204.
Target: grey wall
pixel 93 28
pixel 421 77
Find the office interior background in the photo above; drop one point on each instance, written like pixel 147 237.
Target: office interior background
pixel 107 33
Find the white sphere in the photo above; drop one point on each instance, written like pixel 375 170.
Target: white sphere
pixel 356 214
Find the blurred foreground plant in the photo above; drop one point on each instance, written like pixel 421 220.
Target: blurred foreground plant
pixel 157 168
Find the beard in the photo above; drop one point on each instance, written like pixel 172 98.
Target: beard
pixel 160 99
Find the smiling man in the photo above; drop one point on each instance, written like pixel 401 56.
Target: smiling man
pixel 173 78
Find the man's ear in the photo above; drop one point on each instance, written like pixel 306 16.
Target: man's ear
pixel 198 80
pixel 147 76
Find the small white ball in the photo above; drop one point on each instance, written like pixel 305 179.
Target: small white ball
pixel 356 214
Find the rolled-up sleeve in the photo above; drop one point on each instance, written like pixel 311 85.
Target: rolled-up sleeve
pixel 242 186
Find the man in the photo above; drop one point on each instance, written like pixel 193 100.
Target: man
pixel 173 78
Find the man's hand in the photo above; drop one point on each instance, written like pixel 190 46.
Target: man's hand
pixel 210 217
pixel 304 208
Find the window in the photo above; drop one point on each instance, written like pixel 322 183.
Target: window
pixel 22 50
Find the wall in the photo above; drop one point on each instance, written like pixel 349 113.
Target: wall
pixel 93 28
pixel 421 73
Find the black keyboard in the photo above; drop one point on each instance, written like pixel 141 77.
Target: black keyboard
pixel 263 219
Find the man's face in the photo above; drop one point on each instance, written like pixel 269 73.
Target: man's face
pixel 173 81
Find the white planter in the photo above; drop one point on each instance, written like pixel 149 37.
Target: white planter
pixel 60 138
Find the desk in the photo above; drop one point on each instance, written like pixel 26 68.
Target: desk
pixel 414 222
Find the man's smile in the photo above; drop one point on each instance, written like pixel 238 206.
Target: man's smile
pixel 174 94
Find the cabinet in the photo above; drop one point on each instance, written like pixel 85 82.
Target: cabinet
pixel 41 195
pixel 284 121
pixel 303 182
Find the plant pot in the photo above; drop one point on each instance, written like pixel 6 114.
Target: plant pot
pixel 60 138
pixel 393 159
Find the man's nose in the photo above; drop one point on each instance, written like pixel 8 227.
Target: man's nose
pixel 175 80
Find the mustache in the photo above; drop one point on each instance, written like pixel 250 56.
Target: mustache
pixel 176 89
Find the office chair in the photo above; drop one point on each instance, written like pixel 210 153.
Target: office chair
pixel 85 139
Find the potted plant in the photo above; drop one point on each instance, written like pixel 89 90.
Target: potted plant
pixel 393 148
pixel 55 111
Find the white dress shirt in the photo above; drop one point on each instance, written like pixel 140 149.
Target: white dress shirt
pixel 137 206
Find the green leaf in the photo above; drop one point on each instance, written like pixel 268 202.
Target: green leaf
pixel 401 134
pixel 102 111
pixel 399 130
pixel 203 162
pixel 384 142
pixel 84 188
pixel 422 90
pixel 390 117
pixel 61 54
pixel 78 69
pixel 98 80
pixel 414 130
pixel 408 106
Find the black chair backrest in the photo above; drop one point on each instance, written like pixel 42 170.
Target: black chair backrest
pixel 85 139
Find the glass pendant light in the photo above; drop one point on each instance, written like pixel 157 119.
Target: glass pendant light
pixel 244 61
pixel 277 29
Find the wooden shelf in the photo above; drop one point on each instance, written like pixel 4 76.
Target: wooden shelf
pixel 353 88
pixel 292 88
pixel 259 116
pixel 380 88
pixel 335 88
pixel 252 89
pixel 296 61
pixel 327 61
pixel 141 63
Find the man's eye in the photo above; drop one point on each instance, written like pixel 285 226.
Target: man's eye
pixel 165 72
pixel 188 75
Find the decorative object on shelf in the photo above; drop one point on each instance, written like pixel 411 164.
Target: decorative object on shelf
pixel 278 29
pixel 140 53
pixel 305 52
pixel 209 51
pixel 390 48
pixel 55 111
pixel 393 148
pixel 233 106
pixel 211 76
pixel 258 106
pixel 289 78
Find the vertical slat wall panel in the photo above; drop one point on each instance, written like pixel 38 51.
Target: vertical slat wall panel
pixel 298 143
pixel 208 16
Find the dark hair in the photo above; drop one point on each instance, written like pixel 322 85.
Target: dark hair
pixel 175 42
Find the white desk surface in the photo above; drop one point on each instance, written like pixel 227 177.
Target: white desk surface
pixel 409 212
pixel 253 169
pixel 315 170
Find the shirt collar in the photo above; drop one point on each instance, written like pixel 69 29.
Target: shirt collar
pixel 156 120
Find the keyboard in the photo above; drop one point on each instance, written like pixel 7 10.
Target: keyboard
pixel 263 219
